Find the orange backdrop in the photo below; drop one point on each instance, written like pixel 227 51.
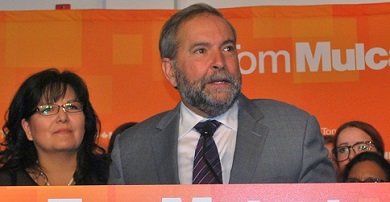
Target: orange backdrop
pixel 331 60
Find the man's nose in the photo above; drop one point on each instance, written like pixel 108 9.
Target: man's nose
pixel 219 61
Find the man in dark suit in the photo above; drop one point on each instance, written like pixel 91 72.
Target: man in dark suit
pixel 257 141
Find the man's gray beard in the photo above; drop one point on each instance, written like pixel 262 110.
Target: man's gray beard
pixel 193 93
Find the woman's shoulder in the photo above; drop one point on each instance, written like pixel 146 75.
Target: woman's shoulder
pixel 15 178
pixel 6 177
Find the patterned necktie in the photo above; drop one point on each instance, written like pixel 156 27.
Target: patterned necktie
pixel 207 166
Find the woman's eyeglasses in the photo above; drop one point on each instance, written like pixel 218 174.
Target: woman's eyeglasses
pixel 52 109
pixel 342 153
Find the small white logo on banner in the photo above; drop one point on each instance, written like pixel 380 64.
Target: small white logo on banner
pixel 65 200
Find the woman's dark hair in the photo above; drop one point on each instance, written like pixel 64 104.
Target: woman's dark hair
pixel 367 128
pixel 368 156
pixel 50 85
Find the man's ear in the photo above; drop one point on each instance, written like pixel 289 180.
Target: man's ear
pixel 168 70
pixel 27 130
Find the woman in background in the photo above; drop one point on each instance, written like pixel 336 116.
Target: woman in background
pixel 353 138
pixel 50 134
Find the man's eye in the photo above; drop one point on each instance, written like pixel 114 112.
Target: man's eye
pixel 200 50
pixel 229 48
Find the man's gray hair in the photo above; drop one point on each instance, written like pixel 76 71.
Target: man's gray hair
pixel 168 44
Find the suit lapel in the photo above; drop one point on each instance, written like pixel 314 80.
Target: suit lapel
pixel 164 145
pixel 251 136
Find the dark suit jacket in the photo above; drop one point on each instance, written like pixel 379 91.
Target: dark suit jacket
pixel 276 143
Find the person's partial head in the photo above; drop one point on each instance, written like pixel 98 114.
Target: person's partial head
pixel 51 111
pixel 199 58
pixel 353 138
pixel 367 167
pixel 328 142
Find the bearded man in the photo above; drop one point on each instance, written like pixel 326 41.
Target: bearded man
pixel 216 134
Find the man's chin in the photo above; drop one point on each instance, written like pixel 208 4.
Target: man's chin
pixel 221 97
pixel 220 100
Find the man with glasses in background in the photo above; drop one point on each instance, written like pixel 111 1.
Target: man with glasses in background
pixel 368 167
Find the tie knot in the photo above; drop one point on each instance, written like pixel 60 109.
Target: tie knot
pixel 207 128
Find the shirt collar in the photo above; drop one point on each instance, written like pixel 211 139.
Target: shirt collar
pixel 188 119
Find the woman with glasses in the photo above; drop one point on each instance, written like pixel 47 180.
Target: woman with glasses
pixel 367 167
pixel 353 138
pixel 50 134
